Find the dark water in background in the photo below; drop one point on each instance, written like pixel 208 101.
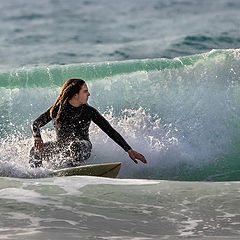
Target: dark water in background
pixel 152 72
pixel 63 32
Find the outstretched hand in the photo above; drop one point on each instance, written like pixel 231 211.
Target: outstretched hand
pixel 135 155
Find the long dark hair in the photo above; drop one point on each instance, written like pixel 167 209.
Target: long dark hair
pixel 70 87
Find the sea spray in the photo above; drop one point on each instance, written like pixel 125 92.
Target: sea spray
pixel 182 114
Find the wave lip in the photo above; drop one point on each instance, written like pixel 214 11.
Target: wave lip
pixel 56 75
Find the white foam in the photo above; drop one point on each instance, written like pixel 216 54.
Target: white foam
pixel 72 184
pixel 22 195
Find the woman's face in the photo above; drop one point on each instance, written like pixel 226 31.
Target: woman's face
pixel 82 96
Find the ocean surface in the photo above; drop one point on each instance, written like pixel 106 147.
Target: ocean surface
pixel 166 75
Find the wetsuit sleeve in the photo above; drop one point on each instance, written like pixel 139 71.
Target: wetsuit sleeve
pixel 109 130
pixel 40 122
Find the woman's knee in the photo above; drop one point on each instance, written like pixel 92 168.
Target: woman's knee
pixel 37 156
pixel 81 149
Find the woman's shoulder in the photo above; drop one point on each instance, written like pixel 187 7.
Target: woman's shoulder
pixel 90 109
pixel 54 110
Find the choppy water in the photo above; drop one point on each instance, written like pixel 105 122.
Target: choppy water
pixel 93 208
pixel 152 72
pixel 62 32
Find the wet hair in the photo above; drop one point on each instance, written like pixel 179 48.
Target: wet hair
pixel 70 87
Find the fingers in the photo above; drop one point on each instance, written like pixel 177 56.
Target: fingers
pixel 142 158
pixel 38 146
pixel 38 143
pixel 135 155
pixel 135 160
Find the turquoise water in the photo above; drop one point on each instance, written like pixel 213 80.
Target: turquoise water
pixel 166 76
pixel 181 113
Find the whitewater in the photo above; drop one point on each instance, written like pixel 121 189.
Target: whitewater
pixel 165 74
pixel 182 114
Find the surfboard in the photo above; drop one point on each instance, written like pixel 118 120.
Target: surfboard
pixel 109 170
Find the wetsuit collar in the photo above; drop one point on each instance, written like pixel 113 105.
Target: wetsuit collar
pixel 70 105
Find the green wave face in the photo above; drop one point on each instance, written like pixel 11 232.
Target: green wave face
pixel 47 76
pixel 182 114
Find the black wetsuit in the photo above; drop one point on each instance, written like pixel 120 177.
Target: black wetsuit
pixel 72 129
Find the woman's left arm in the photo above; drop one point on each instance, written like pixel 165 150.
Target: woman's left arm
pixel 114 135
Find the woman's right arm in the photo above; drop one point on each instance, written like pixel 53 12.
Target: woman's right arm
pixel 35 128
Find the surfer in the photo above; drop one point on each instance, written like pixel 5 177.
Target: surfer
pixel 71 117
